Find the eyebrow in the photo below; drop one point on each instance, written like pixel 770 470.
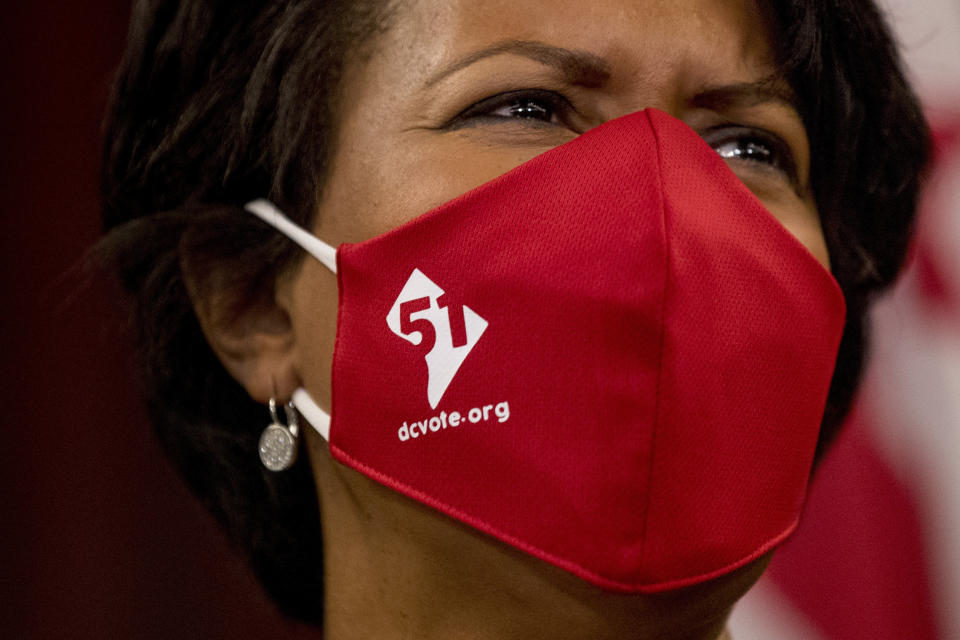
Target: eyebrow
pixel 590 70
pixel 579 67
pixel 772 88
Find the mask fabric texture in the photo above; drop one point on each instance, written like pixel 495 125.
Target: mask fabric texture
pixel 612 357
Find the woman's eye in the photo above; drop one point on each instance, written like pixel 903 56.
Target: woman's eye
pixel 531 109
pixel 762 149
pixel 747 150
pixel 538 107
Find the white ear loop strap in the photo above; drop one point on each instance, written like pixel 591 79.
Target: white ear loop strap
pixel 266 211
pixel 310 410
pixel 327 255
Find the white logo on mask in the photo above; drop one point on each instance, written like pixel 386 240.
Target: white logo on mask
pixel 446 330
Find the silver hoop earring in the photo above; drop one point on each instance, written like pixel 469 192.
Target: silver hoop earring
pixel 278 443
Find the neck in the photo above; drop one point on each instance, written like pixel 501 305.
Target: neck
pixel 396 569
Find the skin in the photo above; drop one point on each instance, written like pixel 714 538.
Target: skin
pixel 394 568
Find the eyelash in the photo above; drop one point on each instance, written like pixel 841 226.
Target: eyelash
pixel 758 147
pixel 481 111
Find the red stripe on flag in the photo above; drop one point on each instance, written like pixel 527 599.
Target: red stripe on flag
pixel 934 251
pixel 857 565
pixel 932 286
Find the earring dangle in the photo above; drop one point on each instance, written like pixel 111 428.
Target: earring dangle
pixel 278 443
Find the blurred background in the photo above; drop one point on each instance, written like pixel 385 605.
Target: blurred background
pixel 100 539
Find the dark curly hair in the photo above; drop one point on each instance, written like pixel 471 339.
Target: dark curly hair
pixel 217 102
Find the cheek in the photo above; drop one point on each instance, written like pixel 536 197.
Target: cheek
pixel 800 218
pixel 313 316
pixel 370 194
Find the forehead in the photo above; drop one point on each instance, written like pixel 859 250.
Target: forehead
pixel 641 39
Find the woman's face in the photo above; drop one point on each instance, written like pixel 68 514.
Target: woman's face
pixel 457 92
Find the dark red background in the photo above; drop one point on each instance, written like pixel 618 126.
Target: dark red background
pixel 99 538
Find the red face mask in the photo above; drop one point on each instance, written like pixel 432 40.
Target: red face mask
pixel 612 357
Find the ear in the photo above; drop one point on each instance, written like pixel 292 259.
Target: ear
pixel 250 332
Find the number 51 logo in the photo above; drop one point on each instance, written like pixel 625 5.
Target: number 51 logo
pixel 442 329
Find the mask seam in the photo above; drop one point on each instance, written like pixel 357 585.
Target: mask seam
pixel 663 331
pixel 557 560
